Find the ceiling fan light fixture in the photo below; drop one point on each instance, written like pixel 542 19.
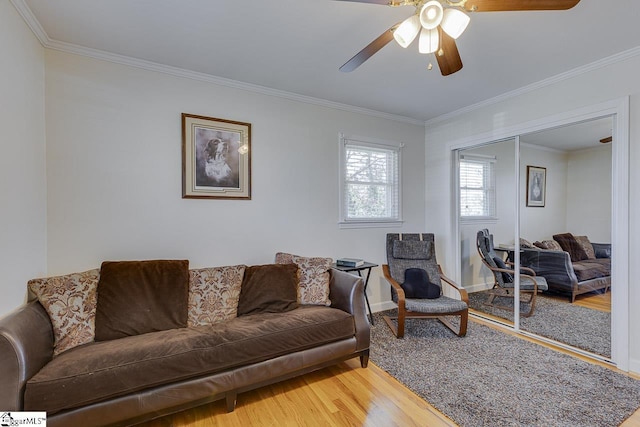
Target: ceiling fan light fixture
pixel 454 22
pixel 431 14
pixel 429 41
pixel 407 31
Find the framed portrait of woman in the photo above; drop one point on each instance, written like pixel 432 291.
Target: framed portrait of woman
pixel 536 186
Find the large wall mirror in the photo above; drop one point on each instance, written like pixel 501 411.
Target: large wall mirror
pixel 541 200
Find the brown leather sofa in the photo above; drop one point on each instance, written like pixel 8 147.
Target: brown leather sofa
pixel 276 346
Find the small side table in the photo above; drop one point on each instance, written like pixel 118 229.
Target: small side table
pixel 366 266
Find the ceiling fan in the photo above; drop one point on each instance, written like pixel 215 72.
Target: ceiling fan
pixel 440 23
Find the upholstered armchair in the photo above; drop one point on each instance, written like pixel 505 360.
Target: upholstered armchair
pixel 417 251
pixel 504 273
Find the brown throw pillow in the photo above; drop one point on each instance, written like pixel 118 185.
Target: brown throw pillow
pixel 137 297
pixel 270 288
pixel 586 246
pixel 569 244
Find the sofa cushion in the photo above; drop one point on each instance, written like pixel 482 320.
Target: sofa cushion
pixel 569 244
pixel 108 369
pixel 214 294
pixel 592 269
pixel 137 297
pixel 586 246
pixel 70 302
pixel 313 276
pixel 269 288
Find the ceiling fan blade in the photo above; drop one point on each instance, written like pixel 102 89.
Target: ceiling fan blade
pixel 370 50
pixel 448 56
pixel 606 140
pixel 509 5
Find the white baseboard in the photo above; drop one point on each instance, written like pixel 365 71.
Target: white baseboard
pixel 382 306
pixel 478 287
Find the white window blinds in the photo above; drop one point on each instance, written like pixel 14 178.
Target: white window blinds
pixel 370 181
pixel 477 187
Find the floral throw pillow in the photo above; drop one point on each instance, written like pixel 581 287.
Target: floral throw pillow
pixel 70 301
pixel 313 274
pixel 549 244
pixel 214 294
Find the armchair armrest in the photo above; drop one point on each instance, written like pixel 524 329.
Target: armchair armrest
pixel 461 291
pixel 26 345
pixel 400 292
pixel 346 292
pixel 602 250
pixel 523 270
pixel 396 287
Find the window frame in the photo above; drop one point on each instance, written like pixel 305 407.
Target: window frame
pixel 346 141
pixel 490 192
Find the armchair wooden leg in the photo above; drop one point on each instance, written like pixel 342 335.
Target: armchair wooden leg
pixel 396 327
pixel 461 330
pixel 532 305
pixel 464 319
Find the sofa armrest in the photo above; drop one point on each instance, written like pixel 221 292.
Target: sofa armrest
pixel 347 294
pixel 554 266
pixel 602 250
pixel 26 345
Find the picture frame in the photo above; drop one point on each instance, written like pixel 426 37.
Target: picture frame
pixel 536 186
pixel 216 158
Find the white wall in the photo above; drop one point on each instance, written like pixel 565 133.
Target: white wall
pixel 598 84
pixel 114 173
pixel 22 158
pixel 589 193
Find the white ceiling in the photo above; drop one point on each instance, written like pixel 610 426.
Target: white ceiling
pixel 572 137
pixel 297 46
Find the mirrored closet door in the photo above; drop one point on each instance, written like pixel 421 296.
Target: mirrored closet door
pixel 542 201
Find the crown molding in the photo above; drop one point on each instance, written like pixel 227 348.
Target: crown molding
pixel 31 21
pixel 601 63
pixel 543 148
pixel 24 11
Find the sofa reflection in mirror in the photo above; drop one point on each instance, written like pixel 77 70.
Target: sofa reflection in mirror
pixel 571 264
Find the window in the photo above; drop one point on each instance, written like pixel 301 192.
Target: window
pixel 369 182
pixel 477 187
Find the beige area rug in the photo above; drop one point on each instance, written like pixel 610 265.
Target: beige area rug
pixel 490 378
pixel 557 319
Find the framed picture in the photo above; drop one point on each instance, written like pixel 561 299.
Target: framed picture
pixel 536 186
pixel 216 158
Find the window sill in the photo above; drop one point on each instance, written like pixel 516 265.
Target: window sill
pixel 478 219
pixel 370 224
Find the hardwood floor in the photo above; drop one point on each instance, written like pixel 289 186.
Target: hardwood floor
pixel 342 395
